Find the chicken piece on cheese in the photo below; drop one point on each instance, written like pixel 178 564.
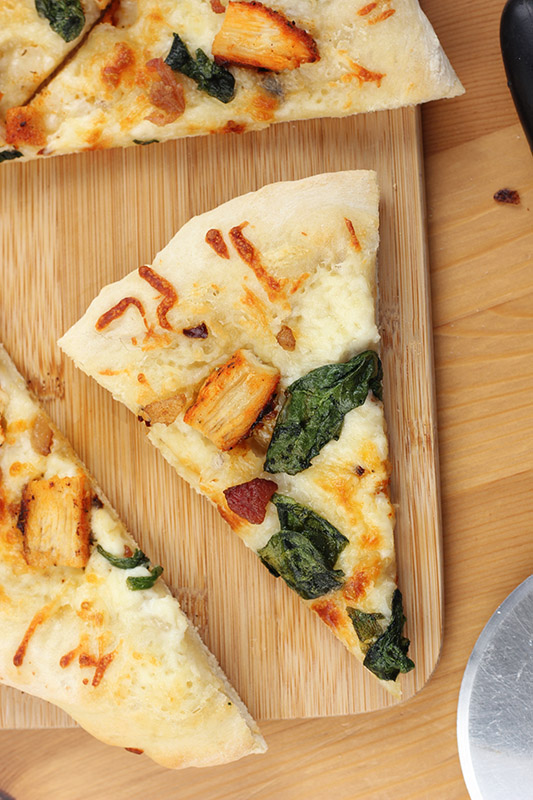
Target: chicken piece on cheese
pixel 232 398
pixel 255 35
pixel 55 523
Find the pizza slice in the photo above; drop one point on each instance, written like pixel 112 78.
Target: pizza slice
pixel 35 38
pixel 156 70
pixel 248 349
pixel 87 623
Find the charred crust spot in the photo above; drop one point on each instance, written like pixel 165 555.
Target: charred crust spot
pixel 359 470
pixel 96 502
pixel 215 240
pixel 164 287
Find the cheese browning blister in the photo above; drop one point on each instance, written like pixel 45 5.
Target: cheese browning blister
pixel 87 623
pixel 279 419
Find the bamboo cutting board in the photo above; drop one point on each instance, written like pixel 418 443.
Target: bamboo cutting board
pixel 70 225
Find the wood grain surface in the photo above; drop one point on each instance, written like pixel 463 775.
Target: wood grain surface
pixel 481 258
pixel 103 214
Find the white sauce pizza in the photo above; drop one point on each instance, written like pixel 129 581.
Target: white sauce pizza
pixel 87 623
pixel 249 350
pixel 153 70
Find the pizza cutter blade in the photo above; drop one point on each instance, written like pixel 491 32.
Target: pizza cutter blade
pixel 495 711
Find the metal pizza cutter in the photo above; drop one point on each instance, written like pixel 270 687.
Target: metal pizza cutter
pixel 495 712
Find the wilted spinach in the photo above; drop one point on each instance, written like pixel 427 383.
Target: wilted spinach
pixel 210 77
pixel 322 534
pixel 387 657
pixel 9 155
pixel 136 582
pixel 314 410
pixel 367 626
pixel 66 17
pixel 305 550
pixel 292 556
pixel 136 560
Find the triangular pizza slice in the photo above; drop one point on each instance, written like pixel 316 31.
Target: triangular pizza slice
pixel 249 350
pixel 86 621
pixel 155 70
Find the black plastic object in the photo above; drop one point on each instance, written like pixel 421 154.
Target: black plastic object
pixel 516 39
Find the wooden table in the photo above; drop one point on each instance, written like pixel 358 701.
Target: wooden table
pixel 482 283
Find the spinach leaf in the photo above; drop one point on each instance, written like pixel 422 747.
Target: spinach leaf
pixel 9 155
pixel 210 77
pixel 145 141
pixel 322 534
pixel 144 581
pixel 367 626
pixel 136 560
pixel 388 655
pixel 314 410
pixel 292 556
pixel 66 17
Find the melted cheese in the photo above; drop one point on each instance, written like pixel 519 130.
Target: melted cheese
pixel 127 665
pixel 366 63
pixel 30 50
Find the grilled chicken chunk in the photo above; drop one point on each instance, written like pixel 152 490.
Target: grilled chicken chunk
pixel 54 520
pixel 231 399
pixel 254 35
